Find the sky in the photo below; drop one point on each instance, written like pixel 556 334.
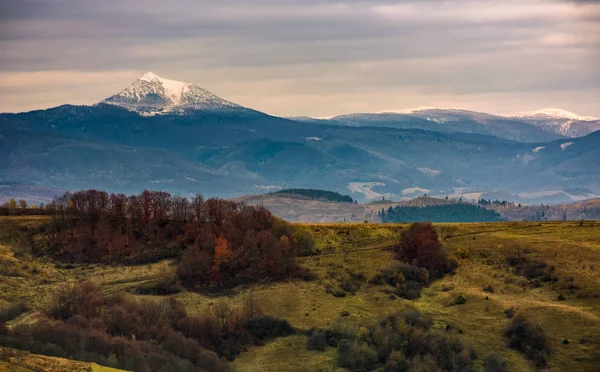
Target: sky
pixel 308 57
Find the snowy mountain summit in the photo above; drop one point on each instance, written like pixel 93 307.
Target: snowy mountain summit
pixel 150 94
pixel 561 122
pixel 554 114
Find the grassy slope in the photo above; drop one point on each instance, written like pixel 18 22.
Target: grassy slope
pixel 22 361
pixel 574 250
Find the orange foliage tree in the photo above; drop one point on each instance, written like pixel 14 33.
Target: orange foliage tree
pixel 222 255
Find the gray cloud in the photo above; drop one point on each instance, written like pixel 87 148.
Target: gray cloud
pixel 284 56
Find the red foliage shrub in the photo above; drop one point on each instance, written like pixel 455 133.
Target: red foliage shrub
pixel 419 245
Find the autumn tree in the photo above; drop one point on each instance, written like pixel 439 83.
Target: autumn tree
pixel 180 208
pixel 12 203
pixel 197 205
pixel 419 245
pixel 216 240
pixel 22 204
pixel 222 255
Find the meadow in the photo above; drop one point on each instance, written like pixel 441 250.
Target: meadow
pixel 488 279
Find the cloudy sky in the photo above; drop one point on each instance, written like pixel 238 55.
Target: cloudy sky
pixel 308 57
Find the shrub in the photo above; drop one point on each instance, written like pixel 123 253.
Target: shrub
pixel 527 335
pixel 415 319
pixel 409 280
pixel 317 340
pixel 410 290
pixel 143 336
pixel 489 289
pixel 403 342
pixel 83 299
pixel 463 252
pixel 397 362
pixel 460 300
pixel 356 356
pixel 265 327
pixel 420 243
pixel 495 363
pixel 510 312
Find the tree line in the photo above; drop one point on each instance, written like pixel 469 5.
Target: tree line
pixel 461 212
pixel 216 241
pixel 318 195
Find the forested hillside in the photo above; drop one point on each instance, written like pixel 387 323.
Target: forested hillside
pixel 460 212
pixel 316 194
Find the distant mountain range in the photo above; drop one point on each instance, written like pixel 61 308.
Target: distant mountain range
pixel 163 134
pixel 537 126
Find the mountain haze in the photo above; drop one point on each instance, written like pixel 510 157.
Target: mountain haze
pixel 164 134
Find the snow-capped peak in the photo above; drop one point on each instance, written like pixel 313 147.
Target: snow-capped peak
pixel 555 114
pixel 173 88
pixel 152 94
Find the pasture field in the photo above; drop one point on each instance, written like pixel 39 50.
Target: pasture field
pixel 568 306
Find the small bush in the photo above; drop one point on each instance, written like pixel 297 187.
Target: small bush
pixel 510 312
pixel 356 356
pixel 463 252
pixel 403 342
pixel 344 314
pixel 489 289
pixel 265 327
pixel 83 299
pixel 415 319
pixel 527 335
pixel 460 300
pixel 410 290
pixel 495 363
pixel 317 340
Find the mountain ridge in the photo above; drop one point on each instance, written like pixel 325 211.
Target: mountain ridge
pixel 163 139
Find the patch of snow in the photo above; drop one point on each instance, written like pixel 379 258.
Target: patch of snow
pixel 414 190
pixel 538 194
pixel 428 171
pixel 565 145
pixel 539 148
pixel 365 188
pixel 313 138
pixel 268 187
pixel 582 196
pixel 555 113
pixel 410 110
pixel 173 88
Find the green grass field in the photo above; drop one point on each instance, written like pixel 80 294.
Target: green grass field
pixel 481 250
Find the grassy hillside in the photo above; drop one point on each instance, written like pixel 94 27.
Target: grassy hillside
pixel 485 278
pixel 22 361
